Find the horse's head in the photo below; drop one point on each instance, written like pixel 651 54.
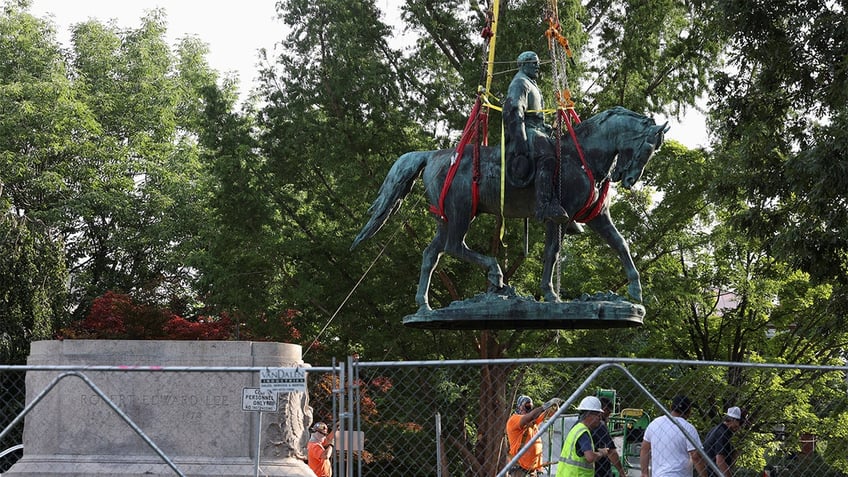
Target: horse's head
pixel 635 150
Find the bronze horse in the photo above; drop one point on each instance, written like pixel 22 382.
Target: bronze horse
pixel 616 144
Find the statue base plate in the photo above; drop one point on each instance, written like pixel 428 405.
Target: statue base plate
pixel 491 311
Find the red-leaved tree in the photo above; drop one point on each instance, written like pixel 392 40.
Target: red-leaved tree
pixel 118 316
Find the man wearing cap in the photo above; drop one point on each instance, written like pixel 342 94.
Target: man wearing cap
pixel 717 444
pixel 666 451
pixel 520 428
pixel 579 454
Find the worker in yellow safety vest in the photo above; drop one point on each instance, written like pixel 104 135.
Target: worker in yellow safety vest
pixel 578 455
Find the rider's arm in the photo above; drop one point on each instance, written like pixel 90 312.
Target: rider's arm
pixel 515 107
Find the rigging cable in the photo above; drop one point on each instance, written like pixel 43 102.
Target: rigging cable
pixel 356 285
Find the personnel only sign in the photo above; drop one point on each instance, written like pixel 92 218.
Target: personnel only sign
pixel 254 399
pixel 282 380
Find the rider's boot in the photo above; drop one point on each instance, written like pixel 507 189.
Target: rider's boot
pixel 548 207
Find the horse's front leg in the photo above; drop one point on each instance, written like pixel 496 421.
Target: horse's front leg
pixel 553 245
pixel 606 229
pixel 430 259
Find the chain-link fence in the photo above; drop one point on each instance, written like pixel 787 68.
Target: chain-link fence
pixel 12 397
pixel 176 420
pixel 447 418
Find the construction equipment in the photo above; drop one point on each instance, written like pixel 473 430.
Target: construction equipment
pixel 627 427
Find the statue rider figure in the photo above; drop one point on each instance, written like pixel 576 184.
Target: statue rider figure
pixel 529 148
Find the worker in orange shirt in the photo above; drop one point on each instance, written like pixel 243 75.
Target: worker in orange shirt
pixel 521 427
pixel 319 449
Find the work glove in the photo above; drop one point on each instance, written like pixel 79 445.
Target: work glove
pixel 555 402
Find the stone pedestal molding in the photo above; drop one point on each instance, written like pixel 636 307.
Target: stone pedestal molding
pixel 195 418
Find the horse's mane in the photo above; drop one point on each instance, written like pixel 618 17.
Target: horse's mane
pixel 589 125
pixel 620 111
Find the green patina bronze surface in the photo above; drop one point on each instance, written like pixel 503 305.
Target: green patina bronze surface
pixel 617 145
pixel 490 311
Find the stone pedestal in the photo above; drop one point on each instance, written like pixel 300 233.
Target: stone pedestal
pixel 194 418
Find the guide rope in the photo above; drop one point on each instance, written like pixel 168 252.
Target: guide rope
pixel 356 285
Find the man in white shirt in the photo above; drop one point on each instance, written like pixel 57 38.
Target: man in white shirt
pixel 666 451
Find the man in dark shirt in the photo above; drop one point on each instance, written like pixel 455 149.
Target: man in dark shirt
pixel 602 438
pixel 717 444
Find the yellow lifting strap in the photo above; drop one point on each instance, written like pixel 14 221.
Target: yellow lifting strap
pixel 490 68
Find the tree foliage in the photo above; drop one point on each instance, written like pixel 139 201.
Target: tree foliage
pixel 33 296
pixel 780 111
pixel 98 158
pixel 118 316
pixel 125 166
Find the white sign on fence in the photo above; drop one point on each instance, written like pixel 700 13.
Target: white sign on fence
pixel 356 443
pixel 282 380
pixel 254 399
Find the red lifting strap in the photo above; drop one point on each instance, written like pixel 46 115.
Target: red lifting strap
pixel 587 212
pixel 468 134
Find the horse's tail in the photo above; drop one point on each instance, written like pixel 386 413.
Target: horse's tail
pixel 395 188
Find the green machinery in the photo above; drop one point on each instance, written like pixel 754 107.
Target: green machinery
pixel 627 427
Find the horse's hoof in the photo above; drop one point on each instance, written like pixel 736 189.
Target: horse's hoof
pixel 423 309
pixel 505 290
pixel 635 293
pixel 552 299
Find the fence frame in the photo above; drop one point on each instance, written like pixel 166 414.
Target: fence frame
pixel 346 392
pixel 603 363
pixel 79 372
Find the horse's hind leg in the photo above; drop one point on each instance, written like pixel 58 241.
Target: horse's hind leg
pixel 430 259
pixel 456 247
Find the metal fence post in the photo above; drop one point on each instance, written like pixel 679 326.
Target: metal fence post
pixel 349 417
pixel 438 445
pixel 258 445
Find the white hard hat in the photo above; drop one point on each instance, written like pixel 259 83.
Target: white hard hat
pixel 590 403
pixel 734 413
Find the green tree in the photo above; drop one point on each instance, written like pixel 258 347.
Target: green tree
pixel 99 155
pixel 32 287
pixel 780 116
pixel 235 273
pixel 138 182
pixel 334 120
pixel 651 56
pixel 40 117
